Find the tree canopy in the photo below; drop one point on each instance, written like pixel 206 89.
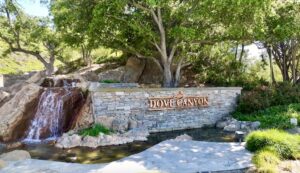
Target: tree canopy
pixel 165 31
pixel 29 35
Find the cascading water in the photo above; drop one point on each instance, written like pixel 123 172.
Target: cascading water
pixel 56 109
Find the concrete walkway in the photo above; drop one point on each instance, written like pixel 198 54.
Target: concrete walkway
pixel 171 156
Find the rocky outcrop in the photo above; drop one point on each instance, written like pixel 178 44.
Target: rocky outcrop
pixel 16 114
pixel 113 75
pixel 151 73
pixel 84 118
pixel 133 70
pixel 74 140
pixel 231 125
pixel 56 111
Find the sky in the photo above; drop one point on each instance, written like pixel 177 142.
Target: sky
pixel 35 8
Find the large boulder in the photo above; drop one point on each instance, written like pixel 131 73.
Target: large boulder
pixel 151 74
pixel 114 74
pixel 15 155
pixel 133 70
pixel 16 114
pixel 84 118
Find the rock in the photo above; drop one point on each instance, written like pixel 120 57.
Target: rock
pixel 222 124
pixel 90 76
pixel 15 155
pixel 183 137
pixel 16 113
pixel 255 125
pixel 120 124
pixel 37 78
pixel 89 141
pixel 233 126
pixel 136 134
pixel 4 97
pixel 84 118
pixel 114 74
pixel 2 163
pixel 14 145
pixel 151 74
pixel 68 141
pixel 295 130
pixel 133 70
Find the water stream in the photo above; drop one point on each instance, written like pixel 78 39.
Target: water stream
pixel 54 112
pixel 47 151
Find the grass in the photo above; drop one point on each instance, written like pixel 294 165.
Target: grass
pixel 20 63
pixel 95 130
pixel 266 161
pixel 271 147
pixel 274 117
pixel 285 144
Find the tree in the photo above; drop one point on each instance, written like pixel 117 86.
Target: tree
pixel 166 31
pixel 29 35
pixel 72 19
pixel 281 39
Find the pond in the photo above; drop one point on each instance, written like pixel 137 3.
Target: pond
pixel 111 153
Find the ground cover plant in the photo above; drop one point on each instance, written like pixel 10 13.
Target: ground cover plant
pixel 272 146
pixel 272 117
pixel 95 130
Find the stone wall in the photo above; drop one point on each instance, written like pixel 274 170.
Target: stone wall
pixel 129 108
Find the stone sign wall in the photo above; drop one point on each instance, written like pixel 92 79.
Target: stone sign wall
pixel 163 109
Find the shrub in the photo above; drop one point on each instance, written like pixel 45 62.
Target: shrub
pixel 273 117
pixel 266 160
pixel 263 97
pixel 95 130
pixel 284 144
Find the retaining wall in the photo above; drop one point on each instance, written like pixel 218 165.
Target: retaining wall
pixel 198 107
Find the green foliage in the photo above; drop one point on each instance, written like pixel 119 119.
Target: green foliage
pixel 95 130
pixel 109 81
pixel 266 160
pixel 217 66
pixel 273 117
pixel 284 144
pixel 164 30
pixel 263 97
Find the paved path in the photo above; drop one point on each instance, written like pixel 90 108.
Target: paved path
pixel 171 156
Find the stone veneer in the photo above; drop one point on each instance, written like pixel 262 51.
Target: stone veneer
pixel 133 105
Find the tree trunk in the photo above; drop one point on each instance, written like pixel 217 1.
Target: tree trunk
pixel 86 55
pixel 168 77
pixel 271 66
pixel 49 69
pixel 242 53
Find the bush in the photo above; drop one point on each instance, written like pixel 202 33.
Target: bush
pixel 273 117
pixel 284 144
pixel 95 130
pixel 266 160
pixel 263 97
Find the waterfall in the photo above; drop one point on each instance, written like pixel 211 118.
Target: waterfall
pixel 56 109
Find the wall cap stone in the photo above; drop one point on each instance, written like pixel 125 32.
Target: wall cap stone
pixel 165 89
